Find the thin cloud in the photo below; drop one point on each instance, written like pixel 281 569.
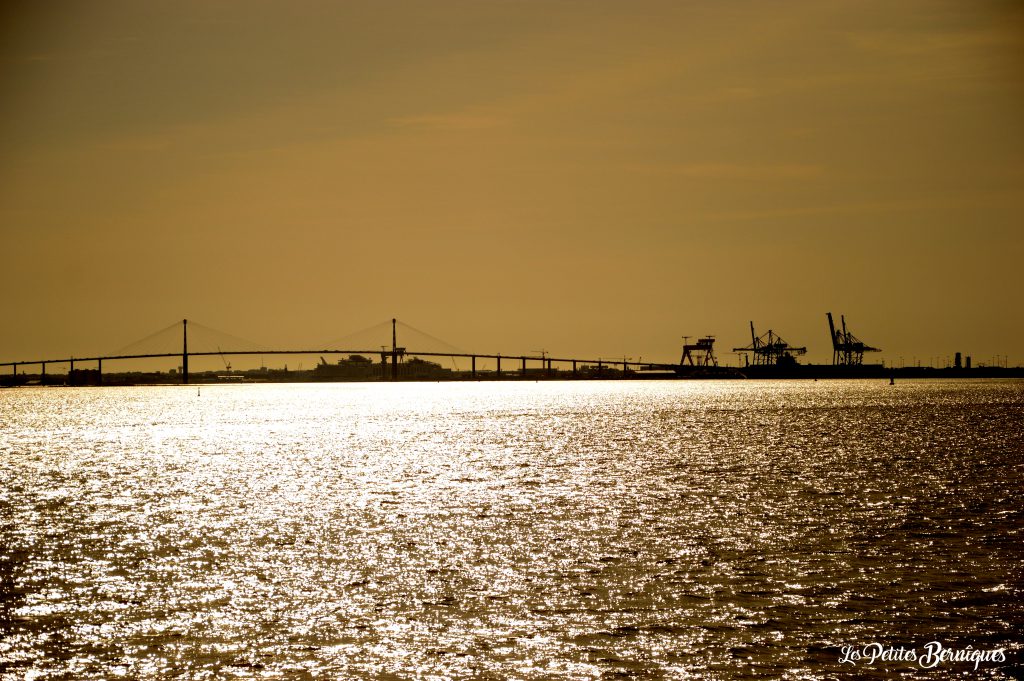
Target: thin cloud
pixel 735 171
pixel 455 121
pixel 914 205
pixel 904 43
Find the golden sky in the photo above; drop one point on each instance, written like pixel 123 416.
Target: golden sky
pixel 590 177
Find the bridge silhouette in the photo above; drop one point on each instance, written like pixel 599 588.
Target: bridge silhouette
pixel 391 357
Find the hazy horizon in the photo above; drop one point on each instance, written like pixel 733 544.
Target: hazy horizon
pixel 594 179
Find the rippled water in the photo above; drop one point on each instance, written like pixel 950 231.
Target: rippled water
pixel 509 530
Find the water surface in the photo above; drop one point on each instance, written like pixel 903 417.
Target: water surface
pixel 508 530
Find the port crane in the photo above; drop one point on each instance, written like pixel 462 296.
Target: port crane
pixel 701 353
pixel 227 364
pixel 770 349
pixel 847 349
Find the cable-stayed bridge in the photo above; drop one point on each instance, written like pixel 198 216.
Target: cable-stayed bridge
pixel 191 339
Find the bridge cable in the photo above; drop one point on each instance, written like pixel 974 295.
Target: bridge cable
pixel 133 346
pixel 244 344
pixel 381 326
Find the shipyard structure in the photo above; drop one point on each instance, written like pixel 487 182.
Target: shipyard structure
pixel 770 356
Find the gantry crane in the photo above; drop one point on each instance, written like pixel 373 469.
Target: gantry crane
pixel 701 353
pixel 769 349
pixel 847 349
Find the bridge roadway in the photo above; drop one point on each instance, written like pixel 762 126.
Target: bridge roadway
pixel 523 359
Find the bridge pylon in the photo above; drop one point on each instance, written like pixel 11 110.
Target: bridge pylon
pixel 184 352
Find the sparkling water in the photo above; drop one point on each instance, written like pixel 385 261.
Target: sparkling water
pixel 552 530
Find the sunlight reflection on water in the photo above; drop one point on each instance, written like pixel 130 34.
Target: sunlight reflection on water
pixel 507 530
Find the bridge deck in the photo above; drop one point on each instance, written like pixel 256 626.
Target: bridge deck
pixel 325 351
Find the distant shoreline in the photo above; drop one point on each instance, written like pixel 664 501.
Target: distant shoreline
pixel 755 373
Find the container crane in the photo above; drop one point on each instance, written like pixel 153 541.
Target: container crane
pixel 769 349
pixel 847 349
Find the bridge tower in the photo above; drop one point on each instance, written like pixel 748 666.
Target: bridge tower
pixel 184 351
pixel 396 352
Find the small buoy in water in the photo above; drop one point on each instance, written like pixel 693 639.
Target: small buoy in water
pixel 198 391
pixel 892 380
